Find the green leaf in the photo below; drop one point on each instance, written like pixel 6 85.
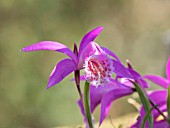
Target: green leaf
pixel 146 117
pixel 87 104
pixel 146 104
pixel 168 104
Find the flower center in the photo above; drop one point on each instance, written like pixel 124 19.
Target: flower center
pixel 98 69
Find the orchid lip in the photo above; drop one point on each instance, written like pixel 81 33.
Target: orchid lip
pixel 98 69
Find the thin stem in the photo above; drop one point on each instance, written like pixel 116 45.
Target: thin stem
pixel 145 101
pixel 168 104
pixel 87 104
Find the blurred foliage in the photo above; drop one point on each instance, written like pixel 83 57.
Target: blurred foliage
pixel 134 30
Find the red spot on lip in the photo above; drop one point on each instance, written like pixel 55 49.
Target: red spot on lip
pixel 98 71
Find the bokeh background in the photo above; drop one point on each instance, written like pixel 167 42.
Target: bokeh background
pixel 138 30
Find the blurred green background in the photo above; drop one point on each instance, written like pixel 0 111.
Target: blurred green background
pixel 138 30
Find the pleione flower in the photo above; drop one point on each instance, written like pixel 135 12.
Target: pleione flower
pixel 116 88
pixel 159 98
pixel 105 95
pixel 98 64
pixel 89 56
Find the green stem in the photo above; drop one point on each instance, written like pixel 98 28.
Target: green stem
pixel 146 116
pixel 146 104
pixel 87 104
pixel 168 104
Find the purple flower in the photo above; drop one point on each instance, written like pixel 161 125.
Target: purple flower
pixel 89 57
pixel 113 90
pixel 158 98
pixel 164 82
pixel 105 95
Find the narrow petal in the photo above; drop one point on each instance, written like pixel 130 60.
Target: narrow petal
pixel 96 94
pixel 89 50
pixel 52 46
pixel 126 82
pixel 80 104
pixel 109 98
pixel 138 78
pixel 158 96
pixel 121 70
pixel 90 36
pixel 168 69
pixel 82 78
pixel 62 69
pixel 110 53
pixel 157 80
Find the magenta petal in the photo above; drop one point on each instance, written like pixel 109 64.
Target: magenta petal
pixel 161 124
pixel 121 70
pixel 168 69
pixel 158 96
pixel 96 94
pixel 50 45
pixel 109 98
pixel 90 36
pixel 138 78
pixel 158 80
pixel 80 104
pixel 89 50
pixel 82 78
pixel 110 53
pixel 62 69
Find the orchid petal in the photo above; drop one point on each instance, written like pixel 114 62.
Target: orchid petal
pixel 138 78
pixel 52 46
pixel 96 94
pixel 158 98
pixel 80 104
pixel 110 53
pixel 61 70
pixel 109 98
pixel 168 69
pixel 161 124
pixel 89 50
pixel 82 78
pixel 156 114
pixel 121 70
pixel 158 80
pixel 90 36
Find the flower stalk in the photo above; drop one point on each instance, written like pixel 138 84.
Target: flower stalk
pixel 87 104
pixel 146 104
pixel 168 105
